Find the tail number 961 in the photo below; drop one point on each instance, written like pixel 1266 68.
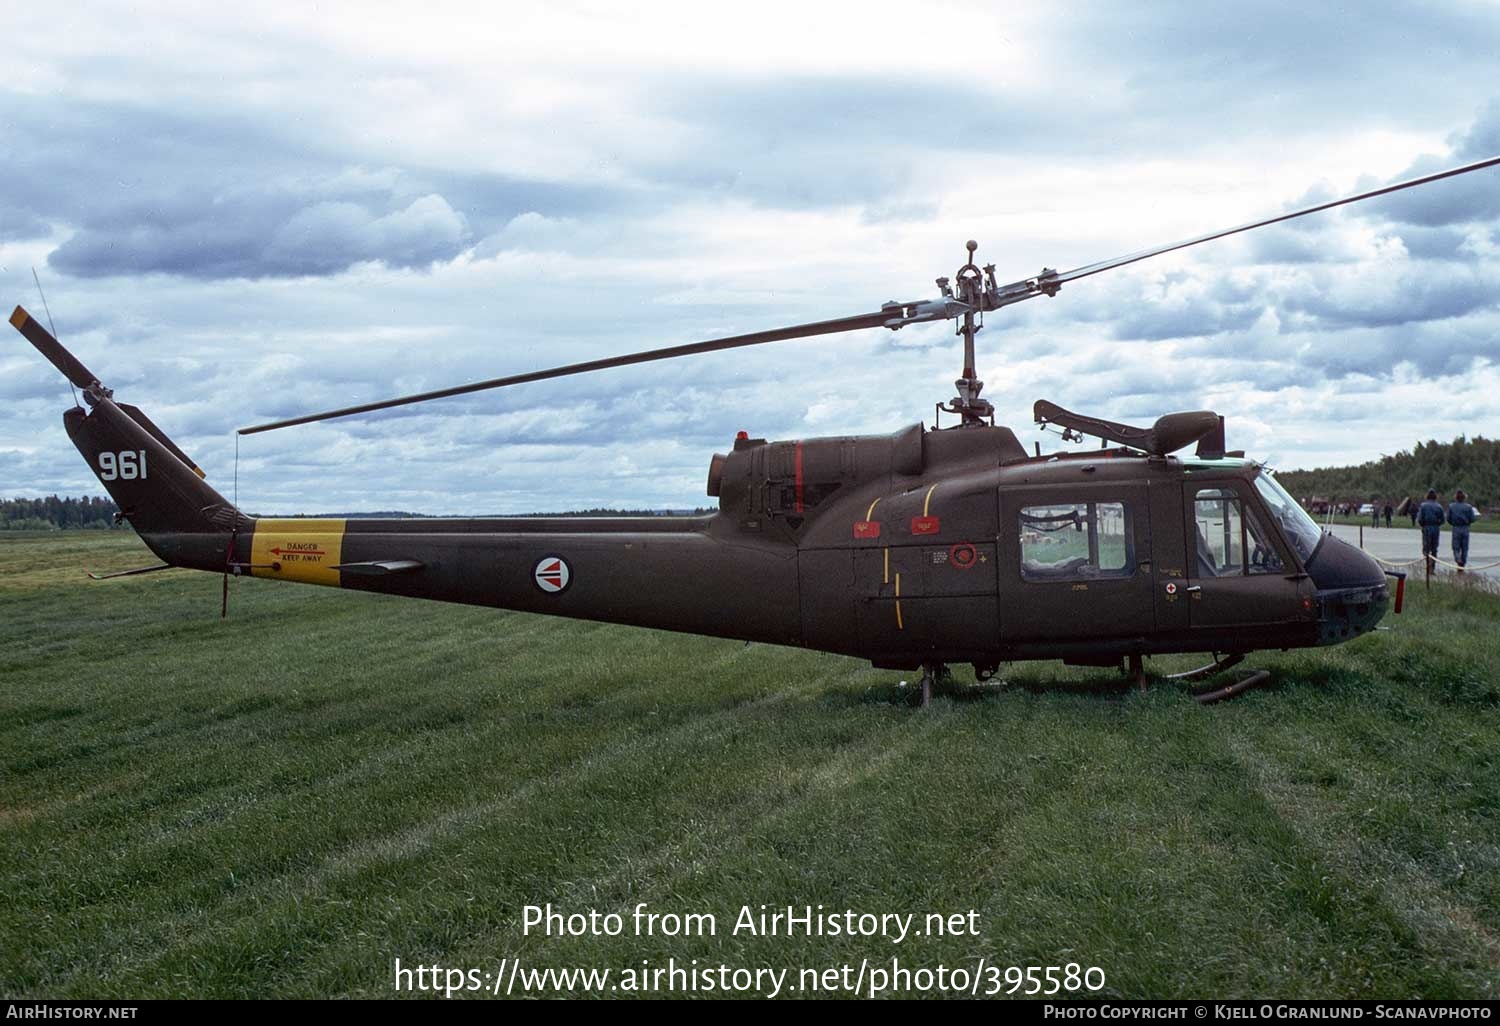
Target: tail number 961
pixel 123 466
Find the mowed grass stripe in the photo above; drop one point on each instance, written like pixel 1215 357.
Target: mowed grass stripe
pixel 1413 894
pixel 531 697
pixel 452 832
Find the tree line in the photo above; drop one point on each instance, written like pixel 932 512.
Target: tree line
pixel 56 512
pixel 1472 464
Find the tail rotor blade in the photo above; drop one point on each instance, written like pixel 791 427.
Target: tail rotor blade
pixel 52 349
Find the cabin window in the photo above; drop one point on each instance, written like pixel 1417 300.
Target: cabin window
pixel 1231 540
pixel 1076 541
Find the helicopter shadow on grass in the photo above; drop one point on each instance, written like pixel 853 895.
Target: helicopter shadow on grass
pixel 1108 687
pixel 965 690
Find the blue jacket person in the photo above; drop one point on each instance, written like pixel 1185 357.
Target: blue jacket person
pixel 1430 517
pixel 1461 515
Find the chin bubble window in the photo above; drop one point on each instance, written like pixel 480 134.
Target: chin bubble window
pixel 1076 541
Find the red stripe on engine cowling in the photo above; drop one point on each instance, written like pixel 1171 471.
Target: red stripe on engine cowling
pixel 798 473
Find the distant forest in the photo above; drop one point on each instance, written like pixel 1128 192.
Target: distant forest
pixel 1472 464
pixel 56 512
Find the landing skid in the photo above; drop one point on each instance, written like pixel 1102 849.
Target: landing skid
pixel 1201 672
pixel 1136 674
pixel 934 675
pixel 1254 680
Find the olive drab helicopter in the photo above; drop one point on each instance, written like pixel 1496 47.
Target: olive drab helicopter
pixel 915 550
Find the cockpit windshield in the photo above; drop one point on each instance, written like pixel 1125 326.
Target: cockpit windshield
pixel 1300 529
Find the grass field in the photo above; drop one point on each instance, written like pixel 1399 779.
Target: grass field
pixel 284 803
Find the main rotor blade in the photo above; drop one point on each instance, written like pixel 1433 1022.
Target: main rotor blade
pixel 855 323
pixel 1106 265
pixel 893 315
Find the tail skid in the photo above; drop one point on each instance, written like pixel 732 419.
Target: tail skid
pixel 131 573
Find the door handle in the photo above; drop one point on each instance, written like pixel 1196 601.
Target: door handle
pixel 1196 587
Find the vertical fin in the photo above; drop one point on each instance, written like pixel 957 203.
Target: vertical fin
pixel 135 414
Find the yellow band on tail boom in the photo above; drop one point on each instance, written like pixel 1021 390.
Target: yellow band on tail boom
pixel 298 550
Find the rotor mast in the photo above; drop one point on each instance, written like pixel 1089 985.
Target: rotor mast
pixel 967 404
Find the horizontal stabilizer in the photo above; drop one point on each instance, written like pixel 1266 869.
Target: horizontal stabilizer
pixel 129 573
pixel 381 567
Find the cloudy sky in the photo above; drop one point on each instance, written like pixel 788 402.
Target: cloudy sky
pixel 240 217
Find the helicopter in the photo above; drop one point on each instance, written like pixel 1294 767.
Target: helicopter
pixel 917 550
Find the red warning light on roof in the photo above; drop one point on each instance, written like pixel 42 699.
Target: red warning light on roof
pixel 741 436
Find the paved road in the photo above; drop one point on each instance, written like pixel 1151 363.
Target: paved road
pixel 1399 544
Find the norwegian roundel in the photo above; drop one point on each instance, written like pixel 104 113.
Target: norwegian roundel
pixel 552 574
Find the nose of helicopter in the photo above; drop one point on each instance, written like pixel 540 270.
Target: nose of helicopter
pixel 1352 594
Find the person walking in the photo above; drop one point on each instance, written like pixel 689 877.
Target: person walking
pixel 1430 515
pixel 1375 513
pixel 1461 515
pixel 1411 509
pixel 1389 512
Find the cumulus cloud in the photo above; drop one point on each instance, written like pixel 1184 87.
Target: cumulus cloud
pixel 331 236
pixel 211 194
pixel 262 234
pixel 1464 200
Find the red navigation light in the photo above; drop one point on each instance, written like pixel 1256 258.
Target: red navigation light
pixel 741 436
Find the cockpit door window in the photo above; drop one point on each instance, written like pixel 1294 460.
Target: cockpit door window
pixel 1230 538
pixel 1219 521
